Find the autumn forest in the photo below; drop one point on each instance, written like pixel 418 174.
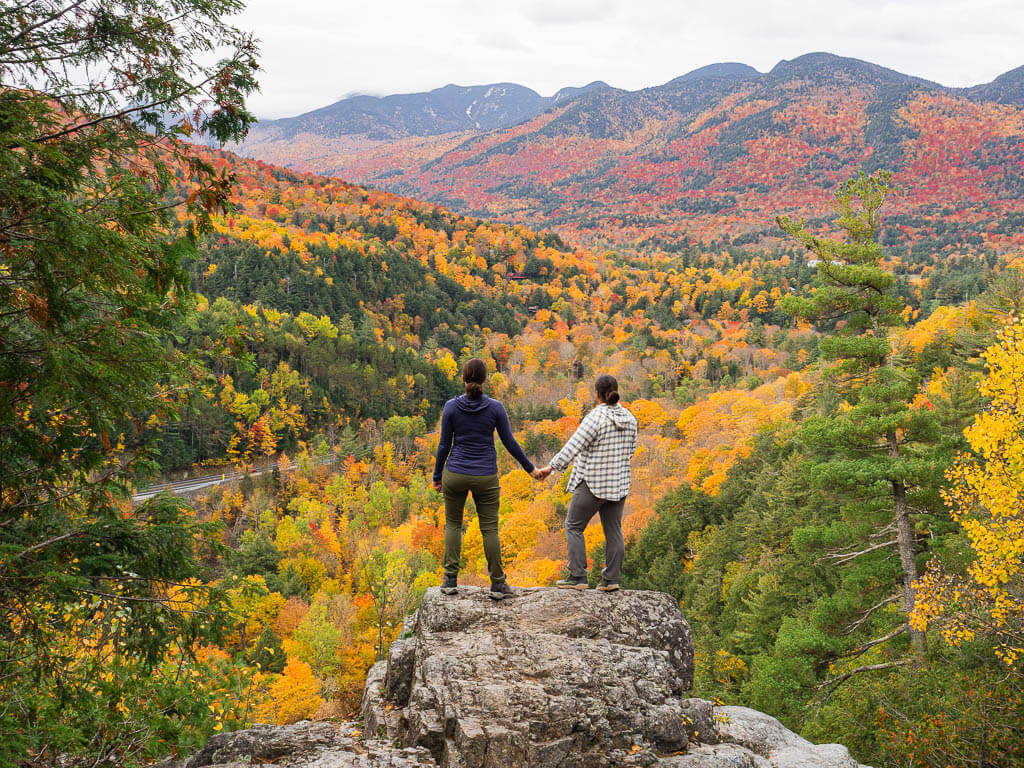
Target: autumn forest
pixel 820 335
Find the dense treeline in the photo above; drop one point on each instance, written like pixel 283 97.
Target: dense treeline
pixel 336 282
pixel 285 379
pixel 105 609
pixel 778 615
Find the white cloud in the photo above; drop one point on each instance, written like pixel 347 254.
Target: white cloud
pixel 568 11
pixel 501 41
pixel 315 49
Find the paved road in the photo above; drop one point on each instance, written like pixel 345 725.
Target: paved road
pixel 193 484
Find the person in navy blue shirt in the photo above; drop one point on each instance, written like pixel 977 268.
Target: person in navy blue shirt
pixel 468 463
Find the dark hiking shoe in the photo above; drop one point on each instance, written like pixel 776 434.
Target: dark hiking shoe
pixel 501 591
pixel 450 585
pixel 608 586
pixel 571 583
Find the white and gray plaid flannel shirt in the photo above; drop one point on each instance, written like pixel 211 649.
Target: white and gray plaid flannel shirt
pixel 602 447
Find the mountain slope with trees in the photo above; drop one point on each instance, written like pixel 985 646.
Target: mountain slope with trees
pixel 713 156
pixel 449 109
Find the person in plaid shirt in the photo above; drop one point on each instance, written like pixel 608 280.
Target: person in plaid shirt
pixel 601 448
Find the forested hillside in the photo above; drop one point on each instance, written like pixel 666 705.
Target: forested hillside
pixel 321 304
pixel 449 109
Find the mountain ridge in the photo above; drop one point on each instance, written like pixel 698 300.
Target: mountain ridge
pixel 528 102
pixel 1007 88
pixel 806 64
pixel 715 153
pixel 442 110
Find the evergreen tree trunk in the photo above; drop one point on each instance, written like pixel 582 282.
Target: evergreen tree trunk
pixel 905 544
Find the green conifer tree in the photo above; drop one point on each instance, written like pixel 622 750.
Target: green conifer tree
pixel 875 449
pixel 94 98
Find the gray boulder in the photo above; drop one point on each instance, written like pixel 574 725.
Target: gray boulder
pixel 552 677
pixel 738 737
pixel 265 743
pixel 766 736
pixel 306 744
pixel 549 679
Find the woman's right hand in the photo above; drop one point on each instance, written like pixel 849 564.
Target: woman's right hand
pixel 437 485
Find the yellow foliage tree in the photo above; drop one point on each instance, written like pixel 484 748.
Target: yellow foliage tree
pixel 539 572
pixel 252 608
pixel 448 366
pixel 986 498
pixel 516 486
pixel 649 415
pixel 571 408
pixel 519 533
pixel 293 696
pixel 473 547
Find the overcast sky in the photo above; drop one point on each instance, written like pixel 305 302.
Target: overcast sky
pixel 316 51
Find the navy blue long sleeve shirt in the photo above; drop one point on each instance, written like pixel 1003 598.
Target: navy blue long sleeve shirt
pixel 467 437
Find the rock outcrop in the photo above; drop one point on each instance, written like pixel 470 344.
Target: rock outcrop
pixel 553 677
pixel 306 744
pixel 550 679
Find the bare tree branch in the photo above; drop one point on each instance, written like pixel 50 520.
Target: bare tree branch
pixel 831 685
pixel 877 641
pixel 845 557
pixel 870 611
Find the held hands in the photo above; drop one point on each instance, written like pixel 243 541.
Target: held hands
pixel 541 473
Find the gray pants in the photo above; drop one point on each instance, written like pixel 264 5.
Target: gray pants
pixel 582 507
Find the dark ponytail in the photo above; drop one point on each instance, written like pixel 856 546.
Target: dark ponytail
pixel 474 374
pixel 607 389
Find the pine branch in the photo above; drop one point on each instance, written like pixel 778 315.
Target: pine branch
pixel 46 20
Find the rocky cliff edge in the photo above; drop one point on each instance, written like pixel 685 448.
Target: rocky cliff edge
pixel 549 679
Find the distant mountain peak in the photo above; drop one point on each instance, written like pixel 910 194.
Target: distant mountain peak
pixel 819 64
pixel 570 92
pixel 1014 76
pixel 452 108
pixel 492 87
pixel 1008 88
pixel 726 69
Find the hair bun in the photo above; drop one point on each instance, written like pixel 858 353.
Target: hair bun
pixel 474 374
pixel 607 388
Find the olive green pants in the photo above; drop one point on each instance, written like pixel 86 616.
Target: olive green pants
pixel 487 496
